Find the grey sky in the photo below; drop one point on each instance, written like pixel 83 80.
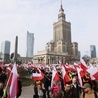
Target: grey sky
pixel 38 16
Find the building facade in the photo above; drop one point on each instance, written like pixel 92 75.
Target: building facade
pixel 5 50
pixel 61 48
pixel 93 51
pixel 30 44
pixel 79 54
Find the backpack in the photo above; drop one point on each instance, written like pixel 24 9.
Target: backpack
pixel 95 94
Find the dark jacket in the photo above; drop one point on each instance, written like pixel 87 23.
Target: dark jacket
pixel 3 77
pixel 19 88
pixel 64 94
pixel 68 94
pixel 36 93
pixel 76 91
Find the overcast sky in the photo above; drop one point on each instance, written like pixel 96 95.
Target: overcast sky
pixel 37 16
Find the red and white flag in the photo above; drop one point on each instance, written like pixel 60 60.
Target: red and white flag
pixel 1 62
pixel 65 75
pixel 79 76
pixel 76 65
pixel 83 65
pixel 38 75
pixel 8 70
pixel 13 82
pixel 55 77
pixel 94 72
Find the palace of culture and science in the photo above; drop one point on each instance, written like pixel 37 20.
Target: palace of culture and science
pixel 61 48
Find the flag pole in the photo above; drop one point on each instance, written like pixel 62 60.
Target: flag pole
pixel 61 2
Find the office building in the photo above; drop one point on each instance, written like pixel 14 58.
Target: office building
pixel 30 44
pixel 93 51
pixel 5 50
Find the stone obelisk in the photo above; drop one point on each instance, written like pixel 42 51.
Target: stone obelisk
pixel 16 48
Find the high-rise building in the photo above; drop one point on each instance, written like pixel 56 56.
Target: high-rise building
pixel 93 51
pixel 79 54
pixel 5 50
pixel 61 48
pixel 30 44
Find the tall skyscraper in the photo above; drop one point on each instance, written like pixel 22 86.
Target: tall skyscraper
pixel 61 47
pixel 93 51
pixel 30 44
pixel 5 50
pixel 62 33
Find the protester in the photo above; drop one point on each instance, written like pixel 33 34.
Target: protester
pixel 19 88
pixel 67 91
pixel 39 91
pixel 3 76
pixel 86 78
pixel 3 93
pixel 61 82
pixel 55 89
pixel 47 83
pixel 76 90
pixel 88 92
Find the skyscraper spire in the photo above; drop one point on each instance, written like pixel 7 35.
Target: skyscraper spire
pixel 61 2
pixel 61 7
pixel 61 15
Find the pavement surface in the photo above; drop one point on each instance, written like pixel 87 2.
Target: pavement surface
pixel 27 92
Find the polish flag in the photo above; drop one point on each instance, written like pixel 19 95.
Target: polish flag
pixel 13 82
pixel 70 67
pixel 65 75
pixel 83 65
pixel 94 72
pixel 38 75
pixel 1 62
pixel 8 69
pixel 76 65
pixel 79 76
pixel 55 77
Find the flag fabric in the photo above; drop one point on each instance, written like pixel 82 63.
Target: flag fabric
pixel 55 77
pixel 69 68
pixel 79 76
pixel 1 62
pixel 65 75
pixel 13 82
pixel 8 70
pixel 83 65
pixel 94 72
pixel 38 75
pixel 82 72
pixel 76 65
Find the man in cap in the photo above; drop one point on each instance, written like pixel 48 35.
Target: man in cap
pixel 88 92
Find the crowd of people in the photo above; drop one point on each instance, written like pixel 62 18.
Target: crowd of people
pixel 4 86
pixel 70 89
pixel 47 87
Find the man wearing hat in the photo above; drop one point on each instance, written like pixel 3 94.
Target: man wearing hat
pixel 88 92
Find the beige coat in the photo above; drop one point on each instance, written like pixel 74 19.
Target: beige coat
pixel 90 95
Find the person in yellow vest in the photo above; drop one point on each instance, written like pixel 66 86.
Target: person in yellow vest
pixel 3 93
